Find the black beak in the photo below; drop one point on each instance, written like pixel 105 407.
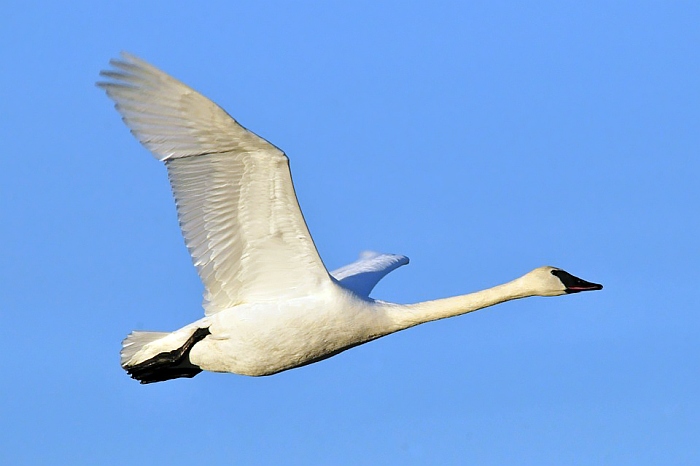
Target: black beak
pixel 575 284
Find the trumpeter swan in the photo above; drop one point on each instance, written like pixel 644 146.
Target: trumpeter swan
pixel 270 305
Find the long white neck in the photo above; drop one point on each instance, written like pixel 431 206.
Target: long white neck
pixel 404 316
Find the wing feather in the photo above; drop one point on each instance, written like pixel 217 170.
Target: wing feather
pixel 363 275
pixel 236 204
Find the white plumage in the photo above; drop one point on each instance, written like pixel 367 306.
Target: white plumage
pixel 363 275
pixel 270 304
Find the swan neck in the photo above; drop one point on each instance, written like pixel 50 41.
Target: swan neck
pixel 413 314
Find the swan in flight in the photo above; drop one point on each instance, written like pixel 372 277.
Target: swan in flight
pixel 269 302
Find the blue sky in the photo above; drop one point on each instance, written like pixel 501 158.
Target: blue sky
pixel 480 140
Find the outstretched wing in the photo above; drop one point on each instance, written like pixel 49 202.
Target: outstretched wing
pixel 363 275
pixel 235 200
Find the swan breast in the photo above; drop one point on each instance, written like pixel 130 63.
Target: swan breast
pixel 267 338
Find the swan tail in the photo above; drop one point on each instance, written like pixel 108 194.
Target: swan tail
pixel 158 356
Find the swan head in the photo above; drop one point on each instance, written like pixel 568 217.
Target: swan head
pixel 553 281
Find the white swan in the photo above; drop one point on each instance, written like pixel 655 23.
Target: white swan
pixel 270 305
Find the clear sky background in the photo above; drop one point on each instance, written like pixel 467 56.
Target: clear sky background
pixel 481 141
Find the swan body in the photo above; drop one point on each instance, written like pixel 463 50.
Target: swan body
pixel 270 304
